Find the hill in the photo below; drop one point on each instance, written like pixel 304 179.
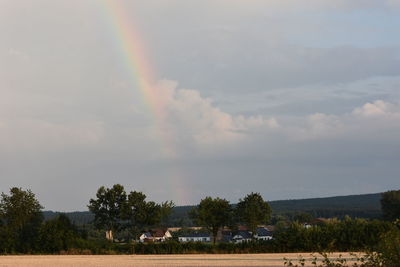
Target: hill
pixel 360 206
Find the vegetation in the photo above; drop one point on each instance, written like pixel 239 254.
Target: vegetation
pixel 24 230
pixel 213 214
pixel 113 210
pixel 21 218
pixel 141 213
pixel 107 209
pixel 58 234
pixel 365 206
pixel 253 211
pixel 385 254
pixel 391 205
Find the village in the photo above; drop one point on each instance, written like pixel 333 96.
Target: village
pixel 198 234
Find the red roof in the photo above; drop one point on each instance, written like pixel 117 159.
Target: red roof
pixel 158 232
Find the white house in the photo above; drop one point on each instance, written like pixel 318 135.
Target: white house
pixel 155 235
pixel 242 236
pixel 195 237
pixel 263 234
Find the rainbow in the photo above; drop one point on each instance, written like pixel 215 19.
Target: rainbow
pixel 138 66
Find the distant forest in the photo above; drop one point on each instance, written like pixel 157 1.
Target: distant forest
pixel 356 206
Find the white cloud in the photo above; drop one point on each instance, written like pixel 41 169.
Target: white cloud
pixel 196 120
pixel 377 108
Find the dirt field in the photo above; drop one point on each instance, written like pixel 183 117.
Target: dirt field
pixel 248 260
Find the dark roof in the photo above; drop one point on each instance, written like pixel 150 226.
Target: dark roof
pixel 261 231
pixel 147 235
pixel 244 234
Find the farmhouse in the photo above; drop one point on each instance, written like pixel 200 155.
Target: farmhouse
pixel 155 235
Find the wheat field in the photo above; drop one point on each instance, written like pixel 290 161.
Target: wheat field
pixel 243 260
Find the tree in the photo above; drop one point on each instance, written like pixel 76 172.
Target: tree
pixel 58 234
pixel 390 203
pixel 21 216
pixel 212 214
pixel 253 210
pixel 108 209
pixel 142 213
pixel 303 217
pixel 166 211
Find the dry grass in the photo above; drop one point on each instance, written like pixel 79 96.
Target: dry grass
pixel 266 260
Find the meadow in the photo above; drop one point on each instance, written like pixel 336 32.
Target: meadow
pixel 242 260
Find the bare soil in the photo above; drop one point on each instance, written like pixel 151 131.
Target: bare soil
pixel 248 260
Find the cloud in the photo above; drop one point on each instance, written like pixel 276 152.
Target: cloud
pixel 289 98
pixel 196 121
pixel 29 135
pixel 378 108
pixel 297 152
pixel 198 125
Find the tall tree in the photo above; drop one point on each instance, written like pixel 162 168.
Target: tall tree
pixel 108 209
pixel 21 215
pixel 390 203
pixel 212 214
pixel 142 213
pixel 253 210
pixel 135 211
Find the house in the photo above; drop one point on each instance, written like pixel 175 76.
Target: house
pixel 225 236
pixel 155 235
pixel 146 237
pixel 242 236
pixel 262 233
pixel 195 237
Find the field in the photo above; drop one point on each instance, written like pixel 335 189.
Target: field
pixel 266 260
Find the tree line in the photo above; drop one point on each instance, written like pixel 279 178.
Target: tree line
pixel 114 209
pixel 23 229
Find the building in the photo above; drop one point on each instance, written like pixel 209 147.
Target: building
pixel 155 235
pixel 263 233
pixel 242 236
pixel 195 237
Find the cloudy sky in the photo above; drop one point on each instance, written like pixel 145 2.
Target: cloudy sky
pixel 292 99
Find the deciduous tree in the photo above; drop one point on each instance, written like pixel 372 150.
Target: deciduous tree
pixel 142 213
pixel 108 209
pixel 21 215
pixel 253 210
pixel 212 214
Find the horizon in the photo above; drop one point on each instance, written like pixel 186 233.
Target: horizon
pixel 276 200
pixel 184 100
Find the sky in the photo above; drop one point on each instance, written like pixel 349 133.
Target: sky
pixel 292 99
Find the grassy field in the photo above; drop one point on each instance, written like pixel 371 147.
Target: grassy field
pixel 266 260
